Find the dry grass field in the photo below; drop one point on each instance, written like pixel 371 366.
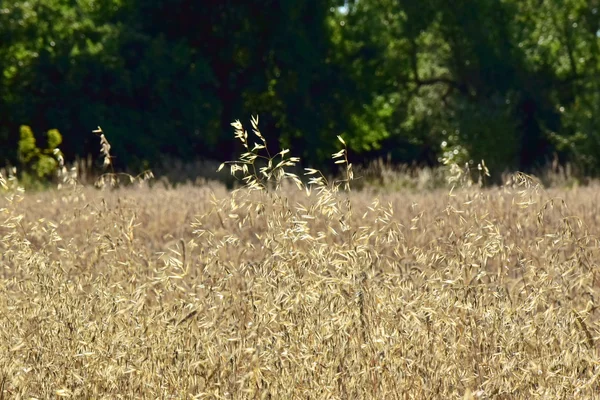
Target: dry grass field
pixel 200 292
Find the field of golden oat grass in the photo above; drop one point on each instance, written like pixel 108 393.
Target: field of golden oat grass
pixel 290 293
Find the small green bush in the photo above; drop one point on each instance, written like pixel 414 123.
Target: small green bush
pixel 38 164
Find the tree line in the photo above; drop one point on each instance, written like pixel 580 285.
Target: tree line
pixel 513 82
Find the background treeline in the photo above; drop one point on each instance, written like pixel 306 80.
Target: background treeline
pixel 514 82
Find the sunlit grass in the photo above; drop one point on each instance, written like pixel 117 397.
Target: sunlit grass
pixel 298 289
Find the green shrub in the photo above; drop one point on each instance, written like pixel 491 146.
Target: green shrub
pixel 38 164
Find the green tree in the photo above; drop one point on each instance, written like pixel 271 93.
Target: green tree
pixel 561 39
pixel 507 81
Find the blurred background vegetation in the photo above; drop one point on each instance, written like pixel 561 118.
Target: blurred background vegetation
pixel 514 82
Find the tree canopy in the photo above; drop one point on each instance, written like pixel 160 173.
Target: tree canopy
pixel 512 82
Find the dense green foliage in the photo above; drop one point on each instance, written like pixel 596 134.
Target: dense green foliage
pixel 512 82
pixel 38 164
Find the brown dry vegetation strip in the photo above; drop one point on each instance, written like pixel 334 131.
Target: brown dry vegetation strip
pixel 482 294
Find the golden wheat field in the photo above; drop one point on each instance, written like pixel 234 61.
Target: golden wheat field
pixel 199 292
